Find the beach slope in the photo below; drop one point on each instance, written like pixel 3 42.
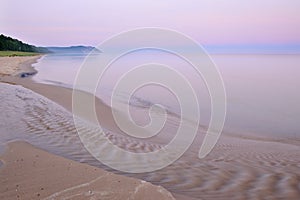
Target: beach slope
pixel 31 173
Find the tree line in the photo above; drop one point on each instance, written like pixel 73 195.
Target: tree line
pixel 10 44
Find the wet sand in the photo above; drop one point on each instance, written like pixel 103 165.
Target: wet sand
pixel 239 167
pixel 30 173
pixel 14 66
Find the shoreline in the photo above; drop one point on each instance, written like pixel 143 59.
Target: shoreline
pixel 237 167
pixel 63 97
pixel 26 68
pixel 58 94
pixel 16 66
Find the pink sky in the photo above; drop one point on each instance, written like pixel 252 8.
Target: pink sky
pixel 88 22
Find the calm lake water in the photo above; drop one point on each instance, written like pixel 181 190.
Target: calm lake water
pixel 262 90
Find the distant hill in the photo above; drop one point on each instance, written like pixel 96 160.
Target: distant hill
pixel 72 49
pixel 10 44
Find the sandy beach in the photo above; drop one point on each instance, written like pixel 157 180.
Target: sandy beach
pixel 30 173
pixel 123 100
pixel 14 66
pixel 239 167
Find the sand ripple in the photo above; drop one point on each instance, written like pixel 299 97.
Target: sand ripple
pixel 238 168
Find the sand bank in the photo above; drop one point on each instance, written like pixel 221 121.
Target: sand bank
pixel 25 176
pixel 60 95
pixel 18 65
pixel 31 173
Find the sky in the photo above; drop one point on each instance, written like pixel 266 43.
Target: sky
pixel 209 22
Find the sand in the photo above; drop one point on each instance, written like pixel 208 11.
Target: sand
pixel 239 167
pixel 17 65
pixel 30 173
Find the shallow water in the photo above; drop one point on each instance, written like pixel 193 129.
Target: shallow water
pixel 238 168
pixel 257 156
pixel 261 90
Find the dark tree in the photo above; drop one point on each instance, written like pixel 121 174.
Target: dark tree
pixel 10 44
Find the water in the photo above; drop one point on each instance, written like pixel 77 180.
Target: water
pixel 237 168
pixel 262 90
pixel 262 93
pixel 262 101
